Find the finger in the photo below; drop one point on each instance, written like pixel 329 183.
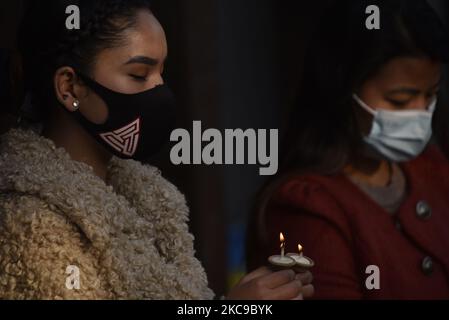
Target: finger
pixel 277 279
pixel 306 277
pixel 308 291
pixel 263 271
pixel 288 291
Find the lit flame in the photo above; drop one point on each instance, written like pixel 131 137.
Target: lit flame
pixel 282 239
pixel 299 248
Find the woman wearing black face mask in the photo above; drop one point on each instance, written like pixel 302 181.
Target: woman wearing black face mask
pixel 73 199
pixel 362 187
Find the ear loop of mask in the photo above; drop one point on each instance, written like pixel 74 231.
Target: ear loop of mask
pixel 364 105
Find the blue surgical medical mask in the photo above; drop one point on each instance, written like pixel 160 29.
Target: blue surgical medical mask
pixel 399 136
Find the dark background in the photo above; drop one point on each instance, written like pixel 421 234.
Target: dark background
pixel 232 64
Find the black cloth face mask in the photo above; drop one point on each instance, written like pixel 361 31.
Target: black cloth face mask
pixel 138 125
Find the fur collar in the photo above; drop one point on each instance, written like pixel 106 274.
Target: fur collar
pixel 136 222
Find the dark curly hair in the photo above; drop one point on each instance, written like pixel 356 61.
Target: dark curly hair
pixel 46 44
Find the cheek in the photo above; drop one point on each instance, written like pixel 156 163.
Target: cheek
pixel 115 81
pixel 94 109
pixel 125 84
pixel 373 96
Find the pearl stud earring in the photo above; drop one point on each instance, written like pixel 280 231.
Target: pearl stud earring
pixel 76 105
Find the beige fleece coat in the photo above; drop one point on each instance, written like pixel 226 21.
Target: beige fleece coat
pixel 128 237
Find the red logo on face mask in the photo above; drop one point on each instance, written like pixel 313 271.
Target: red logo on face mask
pixel 124 140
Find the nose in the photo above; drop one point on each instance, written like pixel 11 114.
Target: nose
pixel 159 80
pixel 156 80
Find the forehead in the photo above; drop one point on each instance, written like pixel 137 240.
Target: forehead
pixel 409 71
pixel 147 38
pixel 148 35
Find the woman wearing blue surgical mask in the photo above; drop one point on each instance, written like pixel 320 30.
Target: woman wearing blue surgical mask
pixel 81 217
pixel 363 188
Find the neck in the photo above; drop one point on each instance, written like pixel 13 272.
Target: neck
pixel 66 133
pixel 371 171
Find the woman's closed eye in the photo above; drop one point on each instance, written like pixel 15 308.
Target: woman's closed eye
pixel 139 78
pixel 398 103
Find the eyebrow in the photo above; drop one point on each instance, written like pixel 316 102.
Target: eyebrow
pixel 143 60
pixel 410 90
pixel 403 91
